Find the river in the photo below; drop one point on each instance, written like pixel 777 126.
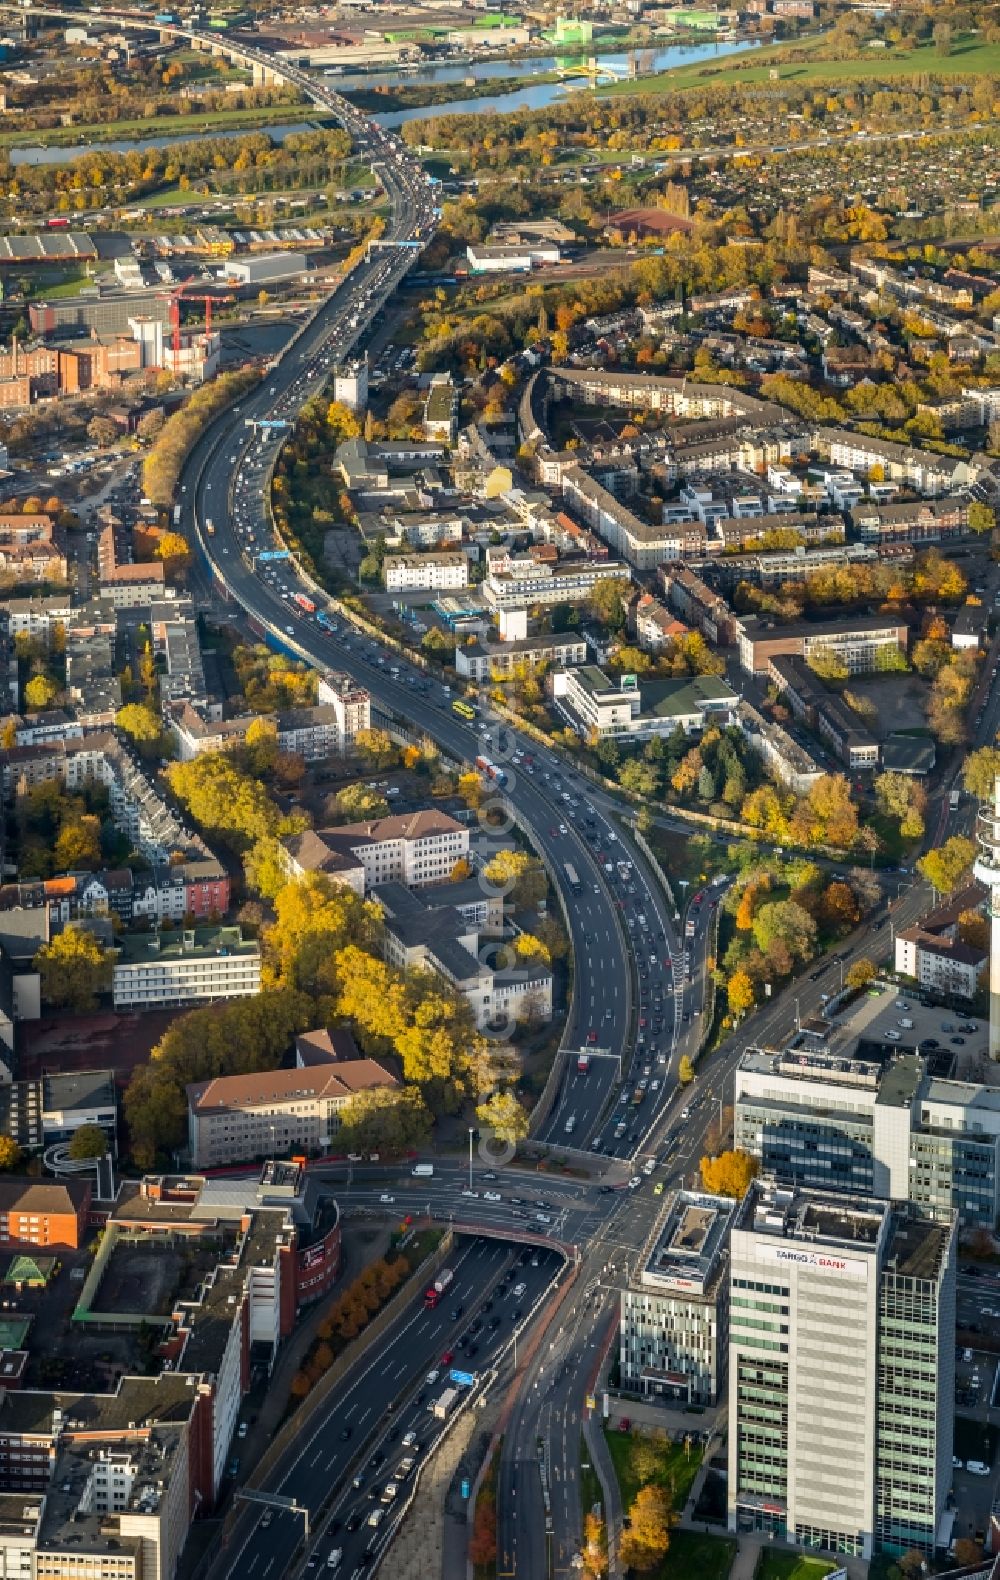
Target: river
pixel 60 156
pixel 528 98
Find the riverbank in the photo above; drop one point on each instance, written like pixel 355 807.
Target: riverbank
pixel 175 128
pixel 803 63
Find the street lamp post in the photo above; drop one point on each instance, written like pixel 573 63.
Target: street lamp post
pixel 798 1023
pixel 470 1156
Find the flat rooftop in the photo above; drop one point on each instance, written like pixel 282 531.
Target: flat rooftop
pixel 193 943
pixel 685 1250
pixel 812 1216
pixel 874 1023
pixel 918 1248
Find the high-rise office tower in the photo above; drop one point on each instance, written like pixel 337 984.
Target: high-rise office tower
pixel 841 1370
pixel 987 870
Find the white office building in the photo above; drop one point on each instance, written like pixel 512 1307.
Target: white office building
pixel 673 1331
pixel 194 966
pixel 841 1371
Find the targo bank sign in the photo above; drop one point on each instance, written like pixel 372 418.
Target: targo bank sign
pixel 826 1262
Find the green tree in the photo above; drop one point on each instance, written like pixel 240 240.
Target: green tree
pixel 785 922
pixel 224 799
pixel 638 778
pixel 386 1120
pixel 607 603
pixel 505 1116
pixel 74 968
pixel 88 1142
pixel 828 665
pixel 173 550
pixel 261 746
pixel 740 993
pixel 644 1545
pixel 313 919
pixel 945 867
pixel 356 804
pixel 78 845
pixel 377 747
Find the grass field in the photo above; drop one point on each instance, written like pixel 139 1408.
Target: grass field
pixel 792 1566
pixel 676 1470
pixel 696 1557
pixel 969 56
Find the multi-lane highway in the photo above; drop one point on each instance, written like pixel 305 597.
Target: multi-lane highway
pixel 224 512
pixel 382 1415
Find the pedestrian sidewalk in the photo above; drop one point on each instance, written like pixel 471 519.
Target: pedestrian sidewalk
pixel 433 1538
pixel 600 1459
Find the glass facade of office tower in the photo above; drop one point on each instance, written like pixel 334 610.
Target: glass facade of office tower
pixel 841 1371
pixel 824 1152
pixel 916 1391
pixel 954 1172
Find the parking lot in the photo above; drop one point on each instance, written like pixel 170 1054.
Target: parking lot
pixel 898 1017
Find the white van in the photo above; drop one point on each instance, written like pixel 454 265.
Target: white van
pixel 333 1562
pixel 422 1170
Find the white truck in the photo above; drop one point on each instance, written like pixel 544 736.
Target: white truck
pixel 441 1406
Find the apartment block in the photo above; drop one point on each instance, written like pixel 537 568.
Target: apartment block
pixel 481 661
pixel 198 965
pixel 789 762
pixel 922 470
pixel 440 572
pixel 696 604
pixel 674 1333
pixel 32 548
pixel 841 1371
pixel 934 954
pixel 917 521
pixel 547 585
pixel 125 584
pixel 138 810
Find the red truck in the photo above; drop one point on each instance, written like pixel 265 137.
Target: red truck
pixel 434 1292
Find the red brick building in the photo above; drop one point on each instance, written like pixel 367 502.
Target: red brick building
pixel 50 1214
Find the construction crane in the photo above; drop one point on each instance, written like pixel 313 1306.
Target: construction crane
pixel 176 297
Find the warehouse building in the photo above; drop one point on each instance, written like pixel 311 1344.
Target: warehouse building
pixel 266 268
